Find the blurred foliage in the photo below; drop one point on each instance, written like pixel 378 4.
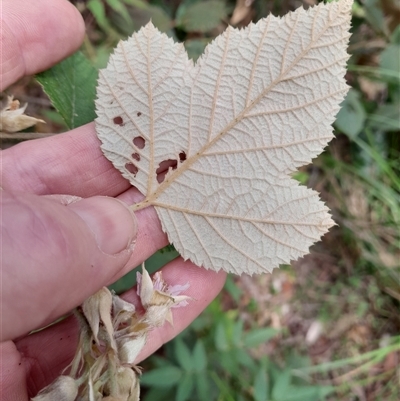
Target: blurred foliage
pixel 356 269
pixel 214 360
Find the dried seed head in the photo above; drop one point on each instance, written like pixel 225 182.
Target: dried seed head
pixel 97 309
pixel 63 388
pixel 158 298
pixel 112 335
pixel 129 349
pixel 127 382
pixel 13 119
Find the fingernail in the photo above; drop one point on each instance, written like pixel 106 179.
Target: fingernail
pixel 113 224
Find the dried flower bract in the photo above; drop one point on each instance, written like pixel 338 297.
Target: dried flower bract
pixel 13 119
pixel 112 334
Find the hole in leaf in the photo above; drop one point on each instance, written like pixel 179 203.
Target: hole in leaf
pixel 118 120
pixel 136 156
pixel 139 113
pixel 164 167
pixel 139 142
pixel 131 168
pixel 182 157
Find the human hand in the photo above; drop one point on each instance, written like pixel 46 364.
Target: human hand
pixel 57 249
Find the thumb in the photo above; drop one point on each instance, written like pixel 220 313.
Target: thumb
pixel 55 254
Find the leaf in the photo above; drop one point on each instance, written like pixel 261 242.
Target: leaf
pixel 390 58
pixel 203 386
pixel 195 47
pixel 158 393
pixel 220 338
pixel 183 356
pixel 166 376
pixel 237 333
pixel 352 116
pixel 185 387
pixel 212 146
pixel 261 386
pixel 258 336
pixel 120 8
pixel 199 356
pixel 72 93
pixel 201 16
pixel 140 13
pixel 98 10
pixel 309 393
pixel 244 358
pixel 385 118
pixel 281 386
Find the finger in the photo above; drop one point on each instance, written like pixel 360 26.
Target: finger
pixel 13 384
pixel 54 256
pixel 36 35
pixel 46 353
pixel 68 279
pixel 70 163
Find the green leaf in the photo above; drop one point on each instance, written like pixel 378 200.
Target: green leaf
pixel 221 340
pixel 351 117
pixel 390 58
pixel 137 3
pixel 229 362
pixel 261 386
pixel 157 15
pixel 201 16
pixel 185 387
pixel 166 376
pixel 96 7
pixel 203 386
pixel 259 336
pixel 237 333
pixel 281 386
pixel 244 358
pixel 55 117
pixel 158 393
pixel 120 8
pixel 140 13
pixel 195 47
pixel 71 87
pixel 395 37
pixel 377 73
pixel 386 118
pixel 374 15
pixel 199 356
pixel 234 291
pixel 183 355
pixel 309 393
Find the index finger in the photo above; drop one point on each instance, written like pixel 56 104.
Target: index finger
pixel 70 163
pixel 35 35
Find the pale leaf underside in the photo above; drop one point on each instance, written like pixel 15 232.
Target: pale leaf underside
pixel 257 105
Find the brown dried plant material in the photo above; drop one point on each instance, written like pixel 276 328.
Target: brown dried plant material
pixel 13 119
pixel 258 104
pixel 158 298
pixel 64 388
pixel 242 11
pixel 97 309
pixel 112 335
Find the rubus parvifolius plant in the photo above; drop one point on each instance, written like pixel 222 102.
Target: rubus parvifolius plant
pixel 211 145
